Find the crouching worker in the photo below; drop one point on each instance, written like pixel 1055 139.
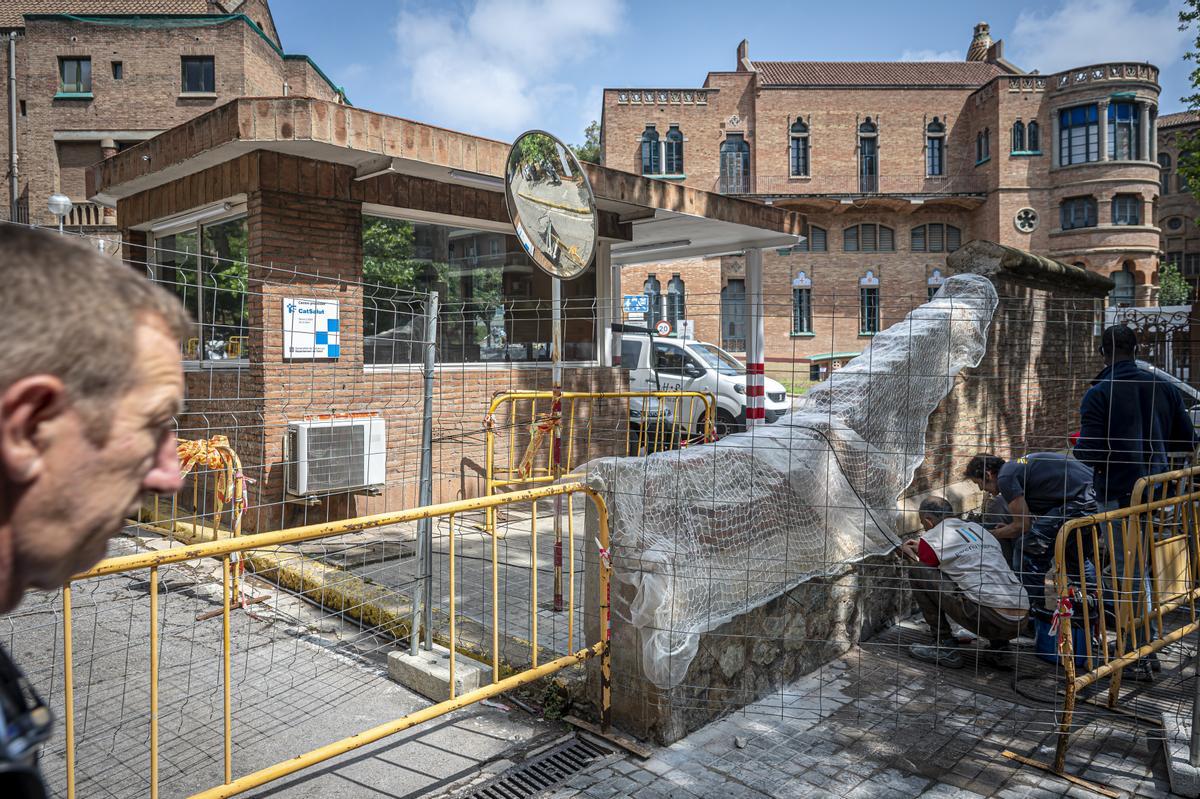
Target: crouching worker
pixel 958 572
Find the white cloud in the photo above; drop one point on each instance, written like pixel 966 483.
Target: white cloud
pixel 490 67
pixel 932 55
pixel 1082 32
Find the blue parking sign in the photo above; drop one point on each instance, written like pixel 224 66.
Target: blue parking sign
pixel 637 303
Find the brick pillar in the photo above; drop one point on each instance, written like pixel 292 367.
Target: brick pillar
pixel 302 248
pixel 108 148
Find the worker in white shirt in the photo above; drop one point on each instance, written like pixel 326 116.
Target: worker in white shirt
pixel 958 572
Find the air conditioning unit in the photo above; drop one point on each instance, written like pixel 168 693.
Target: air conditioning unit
pixel 332 455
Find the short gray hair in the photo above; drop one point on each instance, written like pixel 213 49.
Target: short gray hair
pixel 69 311
pixel 936 508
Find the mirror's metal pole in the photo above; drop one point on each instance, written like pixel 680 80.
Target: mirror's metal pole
pixel 556 437
pixel 422 608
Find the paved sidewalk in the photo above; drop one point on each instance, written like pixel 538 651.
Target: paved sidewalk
pixel 877 724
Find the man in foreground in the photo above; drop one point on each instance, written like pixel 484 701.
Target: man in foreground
pixel 958 573
pixel 1130 421
pixel 90 383
pixel 1043 491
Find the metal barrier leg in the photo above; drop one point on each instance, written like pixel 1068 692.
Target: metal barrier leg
pixel 68 692
pixel 1066 656
pixel 154 683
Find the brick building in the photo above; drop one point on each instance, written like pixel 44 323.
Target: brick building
pixel 896 164
pixel 1178 209
pixel 94 77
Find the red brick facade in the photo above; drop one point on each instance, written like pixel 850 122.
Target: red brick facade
pixel 136 89
pixel 1178 208
pixel 980 194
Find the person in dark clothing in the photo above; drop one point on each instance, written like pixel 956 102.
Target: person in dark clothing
pixel 1130 421
pixel 90 383
pixel 1043 491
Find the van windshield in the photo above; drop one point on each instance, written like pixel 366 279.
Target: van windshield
pixel 714 357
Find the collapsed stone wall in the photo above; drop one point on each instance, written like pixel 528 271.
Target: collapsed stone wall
pixel 1022 396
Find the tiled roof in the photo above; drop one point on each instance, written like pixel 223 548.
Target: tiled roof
pixel 1181 118
pixel 876 73
pixel 13 11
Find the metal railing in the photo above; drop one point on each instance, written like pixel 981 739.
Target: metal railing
pixel 1144 562
pixel 849 185
pixel 234 550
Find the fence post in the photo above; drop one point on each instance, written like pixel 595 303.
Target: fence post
pixel 423 594
pixel 1194 743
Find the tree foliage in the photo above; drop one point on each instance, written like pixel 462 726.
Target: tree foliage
pixel 1188 164
pixel 590 149
pixel 1173 288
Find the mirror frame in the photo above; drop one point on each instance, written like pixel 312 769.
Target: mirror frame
pixel 536 254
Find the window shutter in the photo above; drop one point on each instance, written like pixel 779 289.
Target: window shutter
pixel 850 239
pixel 937 238
pixel 953 238
pixel 887 241
pixel 869 238
pixel 816 237
pixel 918 239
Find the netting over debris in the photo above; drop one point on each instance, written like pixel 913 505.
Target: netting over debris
pixel 703 534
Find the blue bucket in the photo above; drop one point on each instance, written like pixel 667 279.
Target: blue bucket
pixel 1046 645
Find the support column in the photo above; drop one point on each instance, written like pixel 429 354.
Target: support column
pixel 1055 141
pixel 1144 132
pixel 1103 129
pixel 608 305
pixel 1153 134
pixel 755 344
pixel 108 148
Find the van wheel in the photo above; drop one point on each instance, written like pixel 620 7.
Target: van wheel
pixel 727 423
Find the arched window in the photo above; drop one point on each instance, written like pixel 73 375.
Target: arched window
pixel 733 315
pixel 735 164
pixel 673 151
pixel 1033 137
pixel 815 241
pixel 868 304
pixel 935 148
pixel 676 301
pixel 651 155
pixel 936 237
pixel 1018 137
pixel 987 143
pixel 934 283
pixel 799 149
pixel 1123 292
pixel 653 291
pixel 979 147
pixel 1164 165
pixel 802 305
pixel 868 157
pixel 869 237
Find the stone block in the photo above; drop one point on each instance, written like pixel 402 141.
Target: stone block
pixel 428 672
pixel 1185 778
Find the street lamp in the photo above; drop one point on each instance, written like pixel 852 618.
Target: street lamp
pixel 60 205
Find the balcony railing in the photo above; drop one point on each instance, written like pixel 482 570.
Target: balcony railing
pixel 87 214
pixel 854 185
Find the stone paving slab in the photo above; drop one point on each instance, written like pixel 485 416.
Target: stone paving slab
pixel 876 724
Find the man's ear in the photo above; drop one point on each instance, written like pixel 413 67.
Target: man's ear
pixel 26 408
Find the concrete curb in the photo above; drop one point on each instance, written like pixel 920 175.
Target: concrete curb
pixel 1185 778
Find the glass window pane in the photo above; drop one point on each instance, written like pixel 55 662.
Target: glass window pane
pixel 953 238
pixel 918 239
pixel 867 236
pixel 817 239
pixel 223 305
pixel 850 239
pixel 178 269
pixel 886 239
pixel 493 304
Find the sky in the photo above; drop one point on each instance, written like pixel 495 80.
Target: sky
pixel 498 67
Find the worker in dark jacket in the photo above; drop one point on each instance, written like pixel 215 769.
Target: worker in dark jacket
pixel 1130 419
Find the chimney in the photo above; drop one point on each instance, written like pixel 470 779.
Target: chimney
pixel 980 42
pixel 743 56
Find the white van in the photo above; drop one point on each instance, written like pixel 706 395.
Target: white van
pixel 671 364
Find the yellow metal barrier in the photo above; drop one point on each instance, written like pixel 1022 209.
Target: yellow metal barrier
pixel 230 549
pixel 1156 574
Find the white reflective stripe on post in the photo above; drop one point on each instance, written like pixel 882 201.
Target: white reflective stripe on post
pixel 604 261
pixel 755 357
pixel 608 305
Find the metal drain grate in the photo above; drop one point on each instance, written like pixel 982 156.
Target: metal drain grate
pixel 541 772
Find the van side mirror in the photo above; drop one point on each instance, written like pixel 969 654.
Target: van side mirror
pixel 691 369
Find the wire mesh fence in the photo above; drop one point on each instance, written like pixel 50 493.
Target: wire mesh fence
pixel 328 423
